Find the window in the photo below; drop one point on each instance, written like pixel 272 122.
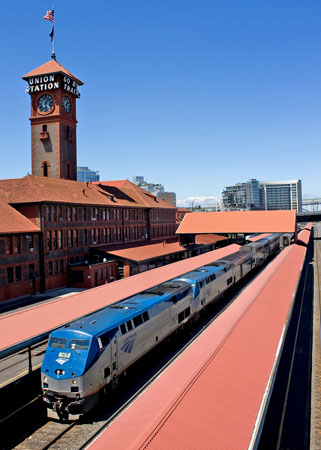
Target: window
pixel 184 314
pixel 45 169
pixel 101 274
pixel 61 266
pixel 48 213
pixel 78 344
pixel 50 268
pixel 10 274
pixel 60 217
pixel 57 342
pixel 75 238
pixel 17 244
pixel 56 267
pixel 69 238
pixel 123 328
pixel 69 214
pixel 49 243
pixel 55 240
pixel 59 239
pixel 54 213
pixel 9 248
pixel 18 273
pixel 74 210
pixel 138 320
pixel 104 339
pixel 44 128
pixel 145 316
pixel 129 325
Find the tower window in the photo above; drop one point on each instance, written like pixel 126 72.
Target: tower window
pixel 45 169
pixel 44 128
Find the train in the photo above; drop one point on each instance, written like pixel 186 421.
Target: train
pixel 85 357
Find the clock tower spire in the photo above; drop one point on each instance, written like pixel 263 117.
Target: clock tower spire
pixel 53 92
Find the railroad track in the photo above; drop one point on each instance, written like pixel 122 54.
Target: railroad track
pixel 77 435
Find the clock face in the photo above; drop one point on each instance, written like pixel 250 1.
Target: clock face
pixel 66 104
pixel 45 103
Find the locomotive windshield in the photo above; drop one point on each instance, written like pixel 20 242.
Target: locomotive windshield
pixel 78 344
pixel 57 342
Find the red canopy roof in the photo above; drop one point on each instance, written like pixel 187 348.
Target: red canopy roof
pixel 238 222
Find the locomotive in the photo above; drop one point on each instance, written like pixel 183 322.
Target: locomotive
pixel 85 356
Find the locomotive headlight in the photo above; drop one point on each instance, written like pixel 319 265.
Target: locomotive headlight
pixel 45 379
pixel 62 372
pixel 57 372
pixel 74 381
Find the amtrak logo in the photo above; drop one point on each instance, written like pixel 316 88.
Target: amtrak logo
pixel 61 361
pixel 128 345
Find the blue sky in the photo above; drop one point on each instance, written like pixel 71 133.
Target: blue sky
pixel 195 95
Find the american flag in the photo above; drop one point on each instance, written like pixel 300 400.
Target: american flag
pixel 50 16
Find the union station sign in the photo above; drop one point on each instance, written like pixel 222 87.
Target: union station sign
pixel 52 81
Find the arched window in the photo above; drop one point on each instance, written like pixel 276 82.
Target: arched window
pixel 45 169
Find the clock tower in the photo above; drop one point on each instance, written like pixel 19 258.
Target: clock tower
pixel 53 92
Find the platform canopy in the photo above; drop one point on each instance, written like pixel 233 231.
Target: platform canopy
pixel 232 222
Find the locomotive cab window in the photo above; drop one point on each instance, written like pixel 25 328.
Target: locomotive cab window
pixel 57 342
pixel 78 344
pixel 129 325
pixel 104 339
pixel 145 316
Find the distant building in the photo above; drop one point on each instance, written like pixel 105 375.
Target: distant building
pixel 156 189
pixel 169 197
pixel 281 195
pixel 256 195
pixel 85 174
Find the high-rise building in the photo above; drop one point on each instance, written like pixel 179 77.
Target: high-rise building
pixel 254 195
pixel 281 195
pixel 86 174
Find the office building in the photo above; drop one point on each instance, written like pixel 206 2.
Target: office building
pixel 266 195
pixel 87 175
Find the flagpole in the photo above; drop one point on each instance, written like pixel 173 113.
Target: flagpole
pixel 53 55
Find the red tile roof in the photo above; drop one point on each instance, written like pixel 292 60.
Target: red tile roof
pixel 51 66
pixel 134 192
pixel 13 222
pixel 34 189
pixel 238 222
pixel 214 394
pixel 22 325
pixel 145 252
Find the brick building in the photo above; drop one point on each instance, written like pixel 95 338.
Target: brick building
pixel 71 219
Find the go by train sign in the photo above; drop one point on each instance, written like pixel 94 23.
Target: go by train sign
pixel 52 81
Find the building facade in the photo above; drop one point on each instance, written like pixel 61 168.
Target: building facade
pixel 87 175
pixel 77 223
pixel 256 195
pixel 281 195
